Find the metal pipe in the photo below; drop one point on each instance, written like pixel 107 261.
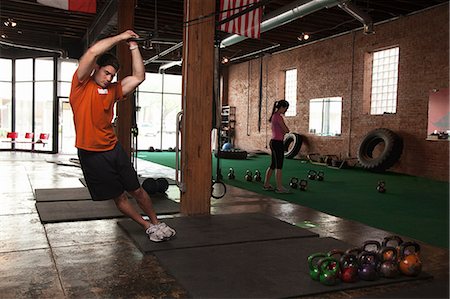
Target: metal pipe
pixel 358 14
pixel 283 16
pixel 163 53
pixel 58 51
pixel 168 65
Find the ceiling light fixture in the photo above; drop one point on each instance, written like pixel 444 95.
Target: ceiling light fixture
pixel 304 36
pixel 225 60
pixel 10 23
pixel 4 35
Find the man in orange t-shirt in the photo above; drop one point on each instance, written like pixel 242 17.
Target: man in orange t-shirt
pixel 106 167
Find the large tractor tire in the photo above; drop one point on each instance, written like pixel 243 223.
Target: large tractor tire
pixel 380 149
pixel 292 144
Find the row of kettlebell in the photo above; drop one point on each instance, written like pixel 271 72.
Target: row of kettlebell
pixel 368 262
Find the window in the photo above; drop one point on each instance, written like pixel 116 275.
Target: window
pixel 159 99
pixel 384 81
pixel 325 116
pixel 290 91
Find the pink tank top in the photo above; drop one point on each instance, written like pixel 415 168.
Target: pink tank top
pixel 277 129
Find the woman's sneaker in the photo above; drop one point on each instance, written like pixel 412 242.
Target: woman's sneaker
pixel 159 232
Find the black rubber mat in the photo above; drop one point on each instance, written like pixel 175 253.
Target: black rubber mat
pixel 62 194
pixel 215 230
pixel 265 269
pixel 64 211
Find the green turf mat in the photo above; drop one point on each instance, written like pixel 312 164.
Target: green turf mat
pixel 412 206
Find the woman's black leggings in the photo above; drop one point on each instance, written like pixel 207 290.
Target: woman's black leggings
pixel 277 149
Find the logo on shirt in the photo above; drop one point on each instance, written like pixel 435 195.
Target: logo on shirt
pixel 102 91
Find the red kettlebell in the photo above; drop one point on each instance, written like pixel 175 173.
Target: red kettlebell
pixel 389 240
pixel 328 271
pixel 313 269
pixel 336 254
pixel 368 265
pixel 389 267
pixel 410 263
pixel 349 267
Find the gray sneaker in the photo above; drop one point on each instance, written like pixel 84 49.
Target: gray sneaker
pixel 283 191
pixel 160 232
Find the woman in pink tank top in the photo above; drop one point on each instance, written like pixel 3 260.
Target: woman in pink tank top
pixel 279 129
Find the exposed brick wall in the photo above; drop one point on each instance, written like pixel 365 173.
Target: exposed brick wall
pixel 335 67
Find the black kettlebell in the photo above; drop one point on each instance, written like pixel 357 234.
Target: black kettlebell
pixel 312 174
pixel 231 175
pixel 303 184
pixel 248 176
pixel 320 176
pixel 257 176
pixel 294 183
pixel 368 264
pixel 389 267
pixel 381 187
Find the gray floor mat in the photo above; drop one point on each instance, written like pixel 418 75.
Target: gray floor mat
pixel 215 230
pixel 62 194
pixel 64 211
pixel 265 269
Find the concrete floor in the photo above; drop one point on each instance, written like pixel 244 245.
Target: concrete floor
pixel 96 259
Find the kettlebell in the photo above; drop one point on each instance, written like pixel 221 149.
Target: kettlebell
pixel 320 176
pixel 231 175
pixel 328 271
pixel 303 184
pixel 381 187
pixel 257 176
pixel 389 267
pixel 410 264
pixel 349 267
pixel 294 183
pixel 371 246
pixel 313 269
pixel 336 254
pixel 387 241
pixel 248 176
pixel 312 174
pixel 368 264
pixel 354 250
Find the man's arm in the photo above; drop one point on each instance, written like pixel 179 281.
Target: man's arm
pixel 87 61
pixel 129 83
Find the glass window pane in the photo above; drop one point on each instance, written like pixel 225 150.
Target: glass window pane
pixel 44 110
pixel 384 91
pixel 5 111
pixel 44 69
pixel 149 120
pixel 172 84
pixel 66 69
pixel 24 69
pixel 290 91
pixel 152 82
pixel 171 106
pixel 64 89
pixel 24 101
pixel 315 116
pixel 6 69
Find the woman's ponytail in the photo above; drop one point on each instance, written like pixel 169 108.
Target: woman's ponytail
pixel 274 109
pixel 277 105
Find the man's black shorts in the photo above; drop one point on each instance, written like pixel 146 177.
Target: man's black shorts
pixel 108 174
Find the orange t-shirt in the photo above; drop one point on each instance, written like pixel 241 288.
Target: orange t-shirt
pixel 93 111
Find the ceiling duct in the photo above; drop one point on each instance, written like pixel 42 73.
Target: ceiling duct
pixel 300 9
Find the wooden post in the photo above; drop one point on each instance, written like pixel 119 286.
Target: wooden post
pixel 197 101
pixel 125 21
